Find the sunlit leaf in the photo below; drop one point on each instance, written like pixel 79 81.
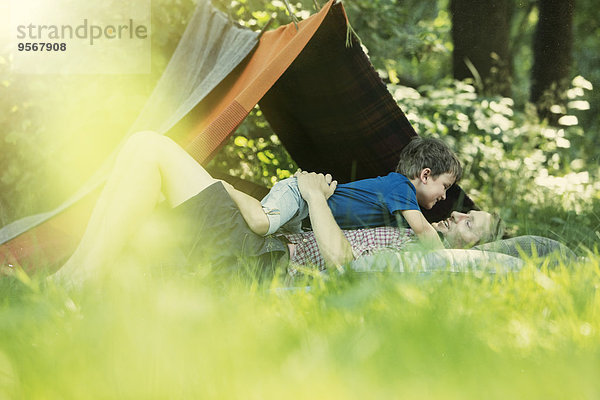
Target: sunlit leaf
pixel 240 141
pixel 263 158
pixel 579 105
pixel 568 120
pixel 580 81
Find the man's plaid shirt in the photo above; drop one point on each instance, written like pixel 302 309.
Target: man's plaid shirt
pixel 363 242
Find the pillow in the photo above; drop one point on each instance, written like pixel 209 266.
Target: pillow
pixel 530 246
pixel 452 260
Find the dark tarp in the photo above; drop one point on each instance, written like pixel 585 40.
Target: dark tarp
pixel 334 114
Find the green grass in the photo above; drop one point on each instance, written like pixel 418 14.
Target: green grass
pixel 530 335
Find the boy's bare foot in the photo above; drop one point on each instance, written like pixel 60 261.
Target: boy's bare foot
pixel 328 179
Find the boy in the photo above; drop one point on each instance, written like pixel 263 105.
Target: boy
pixel 427 168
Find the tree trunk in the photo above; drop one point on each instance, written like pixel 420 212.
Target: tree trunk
pixel 552 53
pixel 481 31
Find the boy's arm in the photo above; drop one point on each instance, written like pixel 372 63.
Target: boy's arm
pixel 333 245
pixel 428 236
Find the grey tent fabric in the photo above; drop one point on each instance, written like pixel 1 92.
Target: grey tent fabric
pixel 531 246
pixel 210 39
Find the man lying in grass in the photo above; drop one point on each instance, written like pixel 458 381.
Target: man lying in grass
pixel 427 167
pixel 210 218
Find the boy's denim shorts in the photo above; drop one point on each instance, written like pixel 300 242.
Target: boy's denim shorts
pixel 285 207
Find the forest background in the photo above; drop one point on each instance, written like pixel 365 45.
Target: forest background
pixel 175 332
pixel 510 85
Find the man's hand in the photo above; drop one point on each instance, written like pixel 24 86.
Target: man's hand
pixel 333 245
pixel 312 185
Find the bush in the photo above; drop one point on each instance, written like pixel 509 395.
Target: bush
pixel 512 160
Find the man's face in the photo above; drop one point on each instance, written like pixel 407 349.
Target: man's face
pixel 464 230
pixel 433 189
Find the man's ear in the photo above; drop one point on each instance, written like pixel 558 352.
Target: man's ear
pixel 425 175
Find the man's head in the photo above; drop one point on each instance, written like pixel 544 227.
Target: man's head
pixel 432 168
pixel 466 230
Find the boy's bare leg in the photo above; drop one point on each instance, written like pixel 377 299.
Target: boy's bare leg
pixel 147 166
pixel 251 210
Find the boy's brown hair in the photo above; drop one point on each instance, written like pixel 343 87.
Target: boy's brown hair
pixel 421 153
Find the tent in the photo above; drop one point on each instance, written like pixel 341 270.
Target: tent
pixel 314 84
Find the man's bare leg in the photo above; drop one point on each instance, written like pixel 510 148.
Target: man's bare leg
pixel 147 166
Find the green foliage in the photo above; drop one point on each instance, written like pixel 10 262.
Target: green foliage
pixel 254 153
pixel 169 334
pixel 408 42
pixel 512 160
pixel 256 14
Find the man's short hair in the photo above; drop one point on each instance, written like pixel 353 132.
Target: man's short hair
pixel 421 153
pixel 496 231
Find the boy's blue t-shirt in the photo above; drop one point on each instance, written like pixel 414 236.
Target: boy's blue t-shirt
pixel 372 202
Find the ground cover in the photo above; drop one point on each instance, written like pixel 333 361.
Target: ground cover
pixel 181 334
